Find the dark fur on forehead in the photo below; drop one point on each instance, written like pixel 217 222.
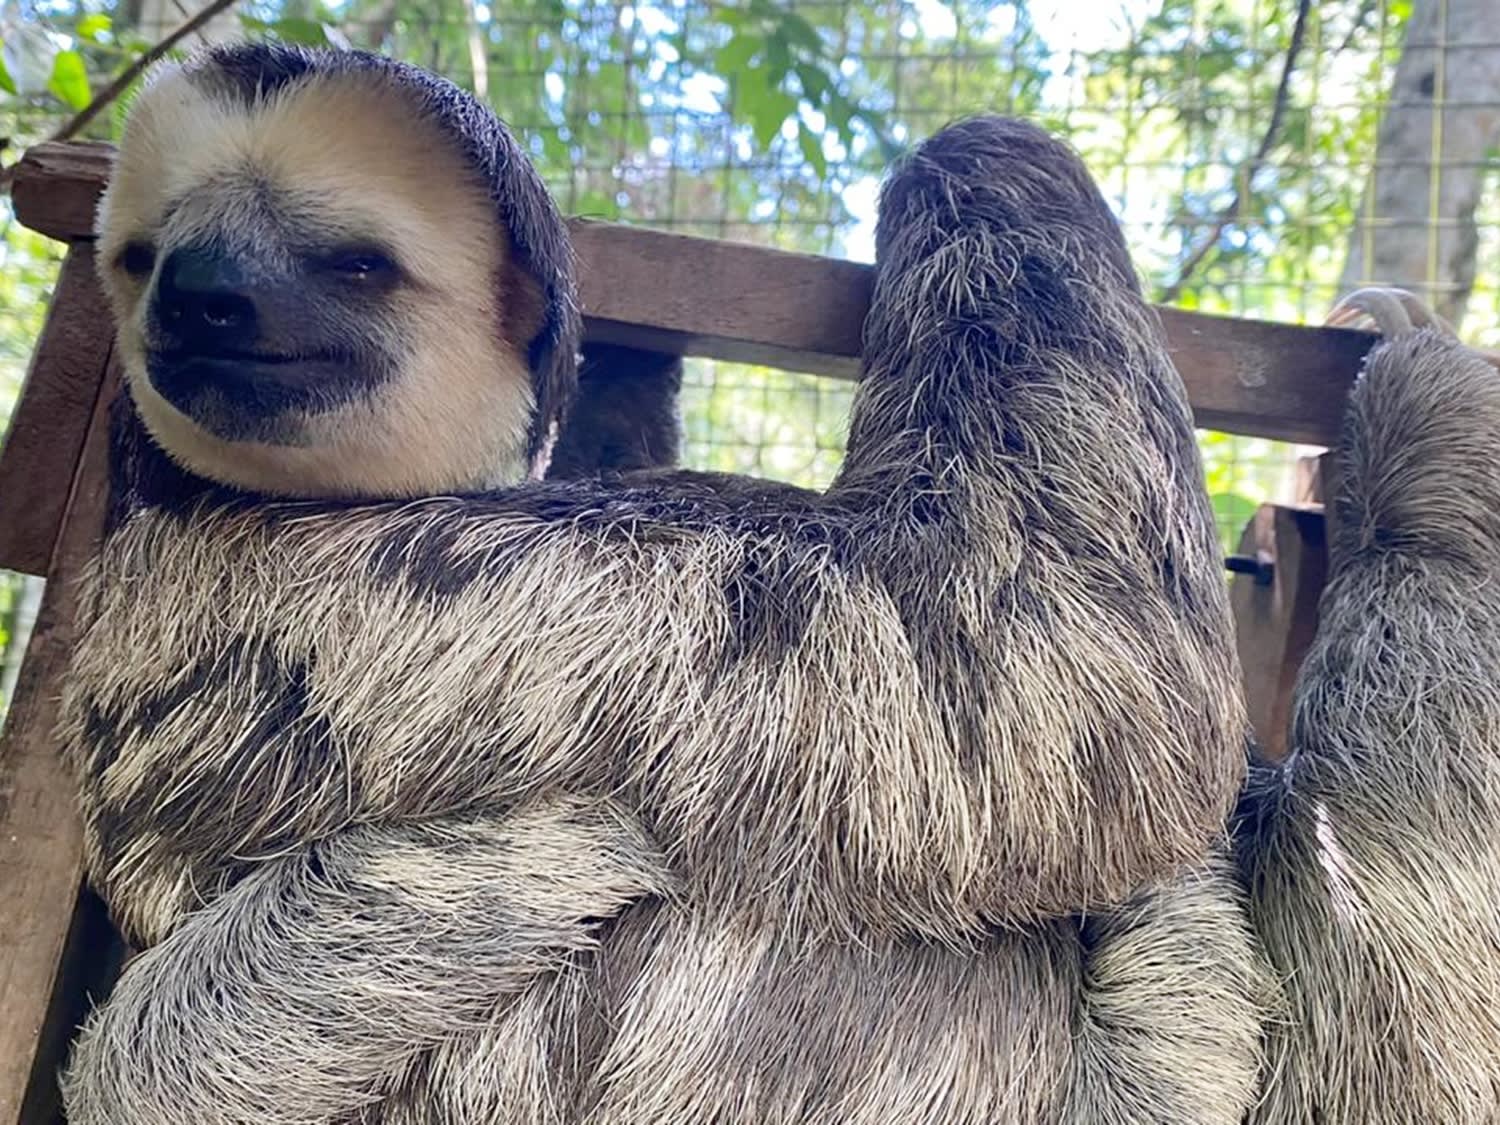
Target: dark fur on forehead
pixel 538 236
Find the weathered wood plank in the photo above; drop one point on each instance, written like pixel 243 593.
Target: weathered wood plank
pixel 1317 478
pixel 93 955
pixel 1275 622
pixel 697 296
pixel 58 187
pixel 726 300
pixel 1263 379
pixel 41 846
pixel 47 429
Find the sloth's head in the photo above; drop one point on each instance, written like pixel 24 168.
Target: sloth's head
pixel 335 275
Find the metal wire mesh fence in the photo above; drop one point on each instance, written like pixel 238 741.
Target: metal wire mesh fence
pixel 1240 142
pixel 1263 155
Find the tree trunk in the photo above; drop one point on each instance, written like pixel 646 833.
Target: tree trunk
pixel 1416 224
pixel 369 28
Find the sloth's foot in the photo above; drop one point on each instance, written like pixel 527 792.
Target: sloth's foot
pixel 994 244
pixel 1389 311
pixel 1002 177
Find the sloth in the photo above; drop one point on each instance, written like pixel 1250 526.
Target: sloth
pixel 625 416
pixel 278 329
pixel 284 350
pixel 442 788
pixel 1370 853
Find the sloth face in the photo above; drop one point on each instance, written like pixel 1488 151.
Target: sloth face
pixel 312 294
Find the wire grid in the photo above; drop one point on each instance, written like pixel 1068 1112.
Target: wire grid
pixel 629 119
pixel 1167 100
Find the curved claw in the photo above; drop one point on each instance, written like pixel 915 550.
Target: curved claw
pixel 1392 312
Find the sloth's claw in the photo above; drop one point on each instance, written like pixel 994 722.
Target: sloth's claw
pixel 1390 311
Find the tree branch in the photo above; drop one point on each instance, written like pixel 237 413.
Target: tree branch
pixel 1247 172
pixel 76 124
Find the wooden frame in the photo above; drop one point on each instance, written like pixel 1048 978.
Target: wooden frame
pixel 54 940
pixel 643 288
pixel 1276 616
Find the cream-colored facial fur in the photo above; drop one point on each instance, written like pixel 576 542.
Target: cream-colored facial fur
pixel 350 157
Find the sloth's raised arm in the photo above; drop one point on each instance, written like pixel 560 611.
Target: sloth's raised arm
pixel 989 674
pixel 625 416
pixel 315 980
pixel 1372 852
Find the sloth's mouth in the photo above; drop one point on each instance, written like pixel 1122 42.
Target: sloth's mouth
pixel 230 356
pixel 253 395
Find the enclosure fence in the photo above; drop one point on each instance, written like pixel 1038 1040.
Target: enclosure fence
pixel 1242 143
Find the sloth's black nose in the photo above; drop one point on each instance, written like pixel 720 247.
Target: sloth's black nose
pixel 203 302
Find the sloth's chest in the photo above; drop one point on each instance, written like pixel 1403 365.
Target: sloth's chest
pixel 236 692
pixel 188 724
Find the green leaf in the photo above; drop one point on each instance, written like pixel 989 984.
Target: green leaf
pixel 92 26
pixel 812 149
pixel 292 29
pixel 70 79
pixel 767 111
pixel 729 17
pixel 778 58
pixel 7 83
pixel 815 84
pixel 734 57
pixel 839 111
pixel 309 33
pixel 795 29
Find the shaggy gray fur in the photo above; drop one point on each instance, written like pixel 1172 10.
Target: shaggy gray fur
pixel 1140 1016
pixel 936 759
pixel 296 993
pixel 1372 853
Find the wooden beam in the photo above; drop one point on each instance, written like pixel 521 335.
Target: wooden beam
pixel 1317 478
pixel 725 300
pixel 46 928
pixel 47 429
pixel 57 185
pixel 732 301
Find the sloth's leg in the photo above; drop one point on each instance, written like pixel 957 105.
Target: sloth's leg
pixel 1372 852
pixel 293 998
pixel 626 415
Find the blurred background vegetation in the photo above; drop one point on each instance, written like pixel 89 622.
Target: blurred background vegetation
pixel 1263 155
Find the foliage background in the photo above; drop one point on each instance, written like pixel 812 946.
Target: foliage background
pixel 771 123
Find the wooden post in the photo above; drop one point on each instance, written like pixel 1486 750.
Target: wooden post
pixel 47 430
pixel 54 942
pixel 1317 478
pixel 1275 621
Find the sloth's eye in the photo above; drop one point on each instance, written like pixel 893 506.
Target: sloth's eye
pixel 137 259
pixel 360 264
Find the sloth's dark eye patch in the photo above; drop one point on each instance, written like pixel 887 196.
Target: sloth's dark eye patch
pixel 360 263
pixel 137 259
